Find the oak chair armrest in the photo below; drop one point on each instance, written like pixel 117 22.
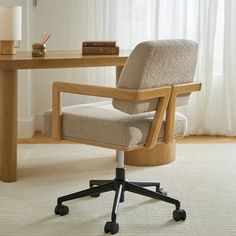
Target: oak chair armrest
pixel 109 92
pixel 163 93
pixel 179 89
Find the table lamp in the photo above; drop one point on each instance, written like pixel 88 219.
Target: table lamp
pixel 10 28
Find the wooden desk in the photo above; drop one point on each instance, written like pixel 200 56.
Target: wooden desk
pixel 9 65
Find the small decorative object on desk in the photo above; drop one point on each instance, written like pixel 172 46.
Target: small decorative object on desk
pixel 100 48
pixel 39 49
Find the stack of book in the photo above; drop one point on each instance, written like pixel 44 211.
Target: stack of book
pixel 100 48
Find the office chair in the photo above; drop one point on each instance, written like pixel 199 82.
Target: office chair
pixel 157 77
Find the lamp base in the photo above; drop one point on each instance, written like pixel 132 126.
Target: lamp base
pixel 7 48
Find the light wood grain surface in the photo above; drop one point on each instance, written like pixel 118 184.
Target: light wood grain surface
pixel 60 59
pixel 8 125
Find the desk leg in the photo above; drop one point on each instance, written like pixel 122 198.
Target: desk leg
pixel 8 125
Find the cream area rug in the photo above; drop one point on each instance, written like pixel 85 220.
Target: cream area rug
pixel 203 178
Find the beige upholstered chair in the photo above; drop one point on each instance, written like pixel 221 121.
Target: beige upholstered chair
pixel 157 77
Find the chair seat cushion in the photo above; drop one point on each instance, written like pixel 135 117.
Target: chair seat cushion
pixel 100 122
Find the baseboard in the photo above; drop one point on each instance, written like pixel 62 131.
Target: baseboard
pixel 27 127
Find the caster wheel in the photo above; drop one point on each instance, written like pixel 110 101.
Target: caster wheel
pixel 162 191
pixel 179 215
pixel 111 227
pixel 61 210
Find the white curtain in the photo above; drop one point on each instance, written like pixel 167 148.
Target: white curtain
pixel 212 23
pixel 229 68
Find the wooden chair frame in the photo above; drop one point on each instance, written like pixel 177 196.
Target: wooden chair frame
pixel 167 98
pixel 179 89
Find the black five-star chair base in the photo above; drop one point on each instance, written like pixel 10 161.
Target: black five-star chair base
pixel 120 185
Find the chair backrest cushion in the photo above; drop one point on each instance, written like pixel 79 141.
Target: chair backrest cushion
pixel 155 64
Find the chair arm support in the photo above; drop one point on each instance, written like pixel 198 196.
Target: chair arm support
pixel 186 88
pixel 170 112
pixel 109 92
pixel 100 91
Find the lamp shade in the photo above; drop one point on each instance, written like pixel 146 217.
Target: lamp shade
pixel 10 23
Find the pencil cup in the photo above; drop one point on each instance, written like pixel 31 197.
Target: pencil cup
pixel 38 50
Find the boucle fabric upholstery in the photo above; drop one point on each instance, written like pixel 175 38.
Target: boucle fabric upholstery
pixel 100 122
pixel 155 64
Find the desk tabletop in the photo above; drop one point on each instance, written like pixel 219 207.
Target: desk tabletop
pixel 60 59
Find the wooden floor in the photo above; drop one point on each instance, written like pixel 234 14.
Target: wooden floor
pixel 207 139
pixel 39 138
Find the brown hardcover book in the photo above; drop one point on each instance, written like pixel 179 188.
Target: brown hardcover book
pixel 99 43
pixel 100 50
